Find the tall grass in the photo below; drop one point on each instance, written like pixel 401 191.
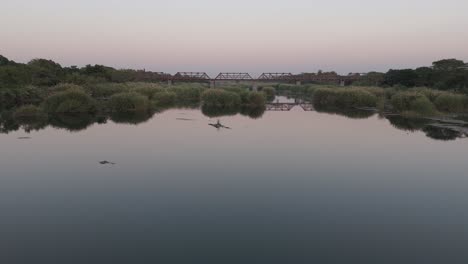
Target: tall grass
pixel 269 92
pixel 451 103
pixel 70 101
pixel 61 87
pixel 344 97
pixel 165 99
pixel 128 102
pixel 220 98
pixel 149 90
pixel 105 90
pixel 28 111
pixel 187 95
pixel 254 99
pixel 412 103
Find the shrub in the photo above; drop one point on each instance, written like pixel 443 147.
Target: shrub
pixel 237 90
pixel 270 93
pixel 412 102
pixel 344 97
pixel 431 94
pixel 254 99
pixel 187 95
pixel 220 98
pixel 105 90
pixel 423 106
pixel 452 103
pixel 377 91
pixel 70 101
pixel 28 111
pixel 291 87
pixel 147 89
pixel 165 99
pixel 128 102
pixel 14 96
pixel 61 87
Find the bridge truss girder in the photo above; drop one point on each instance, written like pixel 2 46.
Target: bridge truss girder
pixel 191 76
pixel 233 76
pixel 276 76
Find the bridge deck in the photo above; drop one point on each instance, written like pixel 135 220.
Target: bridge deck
pixel 264 77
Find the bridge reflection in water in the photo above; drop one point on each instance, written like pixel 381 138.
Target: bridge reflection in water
pixel 290 104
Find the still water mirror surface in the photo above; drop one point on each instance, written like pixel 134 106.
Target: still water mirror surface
pixel 290 187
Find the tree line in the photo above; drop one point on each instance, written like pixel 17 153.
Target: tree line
pixel 447 74
pixel 43 72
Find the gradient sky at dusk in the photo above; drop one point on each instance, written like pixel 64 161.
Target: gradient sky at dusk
pixel 241 35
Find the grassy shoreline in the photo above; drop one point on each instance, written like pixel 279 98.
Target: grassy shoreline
pixel 142 100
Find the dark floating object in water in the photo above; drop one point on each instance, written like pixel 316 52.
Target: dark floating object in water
pixel 105 162
pixel 184 119
pixel 218 125
pixel 24 138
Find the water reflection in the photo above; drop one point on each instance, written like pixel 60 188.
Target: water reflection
pixel 252 112
pixel 211 111
pixel 407 124
pixel 290 185
pixel 350 113
pixel 442 133
pixel 72 122
pixel 433 128
pixel 131 118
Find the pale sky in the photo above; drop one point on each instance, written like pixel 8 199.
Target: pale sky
pixel 237 35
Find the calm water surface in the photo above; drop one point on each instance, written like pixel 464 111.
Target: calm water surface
pixel 290 187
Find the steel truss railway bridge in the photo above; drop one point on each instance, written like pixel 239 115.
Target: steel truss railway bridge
pixel 263 78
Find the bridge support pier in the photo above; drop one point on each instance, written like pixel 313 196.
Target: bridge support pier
pixel 169 83
pixel 212 84
pixel 255 87
pixel 342 83
pixel 298 83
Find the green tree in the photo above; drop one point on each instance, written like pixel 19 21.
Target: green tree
pixel 45 72
pixel 448 65
pixel 4 61
pixel 406 77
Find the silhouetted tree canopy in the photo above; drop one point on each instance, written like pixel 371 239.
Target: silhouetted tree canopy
pixel 446 74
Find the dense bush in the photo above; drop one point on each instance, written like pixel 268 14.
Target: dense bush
pixel 148 89
pixel 64 87
pixel 16 96
pixel 254 99
pixel 269 92
pixel 28 111
pixel 452 103
pixel 187 95
pixel 233 89
pixel 165 99
pixel 128 102
pixel 344 97
pixel 105 90
pixel 411 102
pixel 220 98
pixel 70 101
pixel 431 94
